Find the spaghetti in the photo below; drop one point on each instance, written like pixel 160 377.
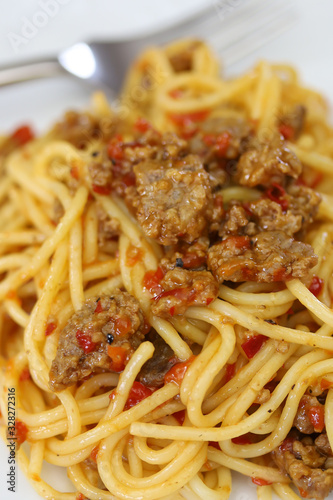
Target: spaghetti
pixel 166 286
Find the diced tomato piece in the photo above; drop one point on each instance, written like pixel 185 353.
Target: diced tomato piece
pixel 303 493
pixel 172 310
pixel 75 173
pixel 133 255
pixel 177 371
pixel 50 327
pixel 185 294
pixel 104 190
pixel 122 326
pixel 230 371
pixel 281 275
pixel 192 260
pixel 99 308
pixel 316 286
pixel 222 144
pixel 317 417
pixel 142 125
pixel 260 482
pixel 23 134
pixel 176 93
pixel 209 139
pixel 253 345
pixel 185 119
pixel 188 132
pixel 94 453
pixel 287 444
pixel 219 142
pixel 152 279
pixel 325 384
pixel 115 150
pixel 287 131
pixel 118 357
pixel 244 439
pixel 209 300
pixel 85 341
pixel 11 295
pixel 112 395
pixel 25 374
pixel 303 402
pixel 21 431
pixel 128 179
pixel 240 242
pixel 137 393
pixel 179 416
pixel 277 193
pixel 80 496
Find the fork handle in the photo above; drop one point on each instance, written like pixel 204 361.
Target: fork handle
pixel 31 71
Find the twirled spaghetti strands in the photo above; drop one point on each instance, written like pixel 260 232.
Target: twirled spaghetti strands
pixel 166 287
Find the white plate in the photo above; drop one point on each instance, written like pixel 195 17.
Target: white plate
pixel 308 46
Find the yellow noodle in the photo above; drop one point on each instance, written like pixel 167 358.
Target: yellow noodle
pixel 64 242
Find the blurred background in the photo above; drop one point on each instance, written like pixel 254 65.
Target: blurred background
pixel 32 29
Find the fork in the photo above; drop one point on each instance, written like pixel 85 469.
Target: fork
pixel 234 29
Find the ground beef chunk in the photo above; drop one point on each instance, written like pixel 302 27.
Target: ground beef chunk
pixel 152 145
pixel 302 420
pixel 294 121
pixel 175 199
pixel 100 170
pixel 307 452
pixel 219 142
pixel 258 216
pixel 267 257
pixel 237 129
pixel 182 289
pixel 111 167
pixel 108 227
pixel 304 202
pixel 117 318
pixel 292 214
pixel 153 371
pixel 269 216
pixel 323 444
pixel 171 146
pixel 304 465
pixel 236 222
pixel 187 256
pixel 80 129
pixel 265 163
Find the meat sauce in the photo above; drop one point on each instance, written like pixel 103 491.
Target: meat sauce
pixel 172 183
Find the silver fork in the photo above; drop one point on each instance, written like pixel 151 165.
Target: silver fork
pixel 234 28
